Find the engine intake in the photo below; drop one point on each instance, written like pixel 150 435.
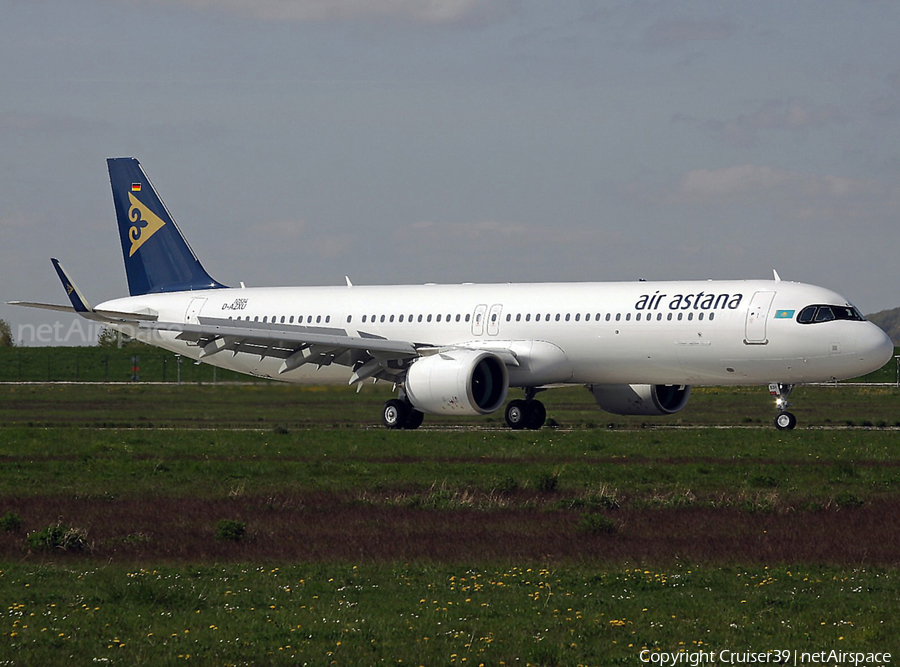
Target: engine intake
pixel 459 382
pixel 641 399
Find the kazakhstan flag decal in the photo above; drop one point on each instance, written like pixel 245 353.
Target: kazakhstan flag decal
pixel 784 314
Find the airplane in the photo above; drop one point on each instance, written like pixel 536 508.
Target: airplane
pixel 638 347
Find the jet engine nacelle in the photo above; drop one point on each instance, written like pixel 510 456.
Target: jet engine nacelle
pixel 459 382
pixel 641 399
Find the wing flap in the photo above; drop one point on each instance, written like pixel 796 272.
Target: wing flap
pixel 297 345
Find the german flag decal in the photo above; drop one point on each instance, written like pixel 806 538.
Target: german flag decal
pixel 135 187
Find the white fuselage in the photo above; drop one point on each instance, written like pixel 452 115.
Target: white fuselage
pixel 712 333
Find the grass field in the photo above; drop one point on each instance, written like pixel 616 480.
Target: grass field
pixel 266 524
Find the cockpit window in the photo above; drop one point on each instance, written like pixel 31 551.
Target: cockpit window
pixel 823 313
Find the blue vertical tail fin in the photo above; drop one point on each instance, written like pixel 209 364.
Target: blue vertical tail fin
pixel 157 256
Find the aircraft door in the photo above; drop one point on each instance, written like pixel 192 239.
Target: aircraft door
pixel 192 314
pixel 757 316
pixel 493 319
pixel 478 320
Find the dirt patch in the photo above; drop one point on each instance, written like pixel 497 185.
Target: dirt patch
pixel 328 527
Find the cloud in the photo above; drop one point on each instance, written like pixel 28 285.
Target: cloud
pixel 295 237
pixel 795 115
pixel 417 11
pixel 742 183
pixel 675 32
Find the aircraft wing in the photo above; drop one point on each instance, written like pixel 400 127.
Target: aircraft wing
pixel 367 355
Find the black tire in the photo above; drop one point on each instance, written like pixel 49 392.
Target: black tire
pixel 517 414
pixel 785 421
pixel 413 419
pixel 395 413
pixel 537 415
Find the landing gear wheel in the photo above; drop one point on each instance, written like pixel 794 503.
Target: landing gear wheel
pixel 413 420
pixel 537 415
pixel 394 414
pixel 785 421
pixel 517 414
pixel 525 414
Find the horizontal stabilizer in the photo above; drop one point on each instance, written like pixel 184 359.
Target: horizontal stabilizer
pixel 43 306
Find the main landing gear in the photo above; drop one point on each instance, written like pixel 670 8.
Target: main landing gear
pixel 398 413
pixel 530 414
pixel 784 420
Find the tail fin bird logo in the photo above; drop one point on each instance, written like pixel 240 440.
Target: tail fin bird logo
pixel 146 224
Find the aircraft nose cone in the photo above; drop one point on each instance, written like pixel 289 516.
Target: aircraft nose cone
pixel 875 347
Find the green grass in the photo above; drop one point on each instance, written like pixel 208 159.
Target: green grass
pixel 518 613
pixel 133 463
pixel 336 406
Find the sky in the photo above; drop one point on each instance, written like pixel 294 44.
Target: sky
pixel 404 141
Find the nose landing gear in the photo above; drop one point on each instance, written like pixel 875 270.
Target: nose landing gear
pixel 784 420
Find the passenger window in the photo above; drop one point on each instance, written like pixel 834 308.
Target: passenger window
pixel 711 316
pixel 577 317
pixel 318 319
pixel 528 317
pixel 392 318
